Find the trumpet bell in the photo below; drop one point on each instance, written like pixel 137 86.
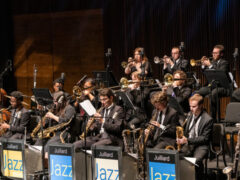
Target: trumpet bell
pixel 168 79
pixel 194 62
pixel 124 82
pixel 124 64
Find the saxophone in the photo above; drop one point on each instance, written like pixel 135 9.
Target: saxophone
pixel 50 131
pixel 89 124
pixel 37 128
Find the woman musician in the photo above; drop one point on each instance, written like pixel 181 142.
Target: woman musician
pixel 139 63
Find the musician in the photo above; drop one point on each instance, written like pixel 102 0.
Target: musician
pixel 135 117
pixel 197 132
pixel 176 63
pixel 19 120
pixel 139 63
pixel 109 122
pixel 3 98
pixel 236 96
pixel 60 113
pixel 217 63
pixel 179 90
pixel 165 121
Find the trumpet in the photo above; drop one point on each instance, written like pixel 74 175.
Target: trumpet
pixel 124 64
pixel 194 62
pixel 158 60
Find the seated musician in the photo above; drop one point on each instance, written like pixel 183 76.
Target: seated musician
pixel 217 63
pixel 236 96
pixel 164 120
pixel 109 121
pixel 175 63
pixel 139 63
pixel 19 120
pixel 179 90
pixel 197 132
pixel 135 117
pixel 58 119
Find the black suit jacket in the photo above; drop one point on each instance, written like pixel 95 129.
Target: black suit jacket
pixel 182 64
pixel 18 126
pixel 113 124
pixel 204 130
pixel 221 64
pixel 171 120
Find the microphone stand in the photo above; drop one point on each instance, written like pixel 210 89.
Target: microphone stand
pixel 8 66
pixel 235 55
pixel 108 55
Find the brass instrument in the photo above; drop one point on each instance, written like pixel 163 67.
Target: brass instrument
pixel 4 117
pixel 194 62
pixel 125 134
pixel 168 79
pixel 169 147
pixel 179 135
pixel 50 131
pixel 89 124
pixel 77 91
pixel 158 60
pixel 37 128
pixel 124 64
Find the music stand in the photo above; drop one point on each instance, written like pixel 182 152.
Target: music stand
pixel 43 96
pixel 216 79
pixel 126 100
pixel 106 77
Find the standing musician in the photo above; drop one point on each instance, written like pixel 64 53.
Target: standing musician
pixel 179 89
pixel 19 118
pixel 217 63
pixel 60 114
pixel 139 63
pixel 176 63
pixel 165 119
pixel 197 132
pixel 108 120
pixel 135 118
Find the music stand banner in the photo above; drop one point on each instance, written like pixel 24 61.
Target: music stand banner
pixel 13 161
pixel 106 162
pixel 60 158
pixel 162 164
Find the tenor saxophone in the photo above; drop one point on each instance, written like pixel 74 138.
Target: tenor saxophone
pixel 89 124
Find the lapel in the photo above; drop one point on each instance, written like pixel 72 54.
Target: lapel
pixel 166 119
pixel 189 119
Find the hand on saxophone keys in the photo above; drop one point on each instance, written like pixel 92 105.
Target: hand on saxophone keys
pixel 98 117
pixel 183 140
pixel 4 126
pixel 52 116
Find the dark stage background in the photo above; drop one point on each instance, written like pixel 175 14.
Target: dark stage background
pixel 122 25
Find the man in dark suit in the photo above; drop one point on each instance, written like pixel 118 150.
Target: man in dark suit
pixel 179 90
pixel 109 122
pixel 197 133
pixel 165 119
pixel 19 118
pixel 176 63
pixel 217 63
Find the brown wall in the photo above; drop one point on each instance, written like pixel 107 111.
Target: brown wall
pixel 70 42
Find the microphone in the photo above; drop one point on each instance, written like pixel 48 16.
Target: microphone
pixel 182 46
pixel 235 54
pixel 109 52
pixel 10 64
pixel 81 80
pixel 63 76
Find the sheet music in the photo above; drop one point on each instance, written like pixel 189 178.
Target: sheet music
pixel 88 107
pixel 192 160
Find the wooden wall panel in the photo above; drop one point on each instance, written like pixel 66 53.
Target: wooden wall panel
pixel 70 42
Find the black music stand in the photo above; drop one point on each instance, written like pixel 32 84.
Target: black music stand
pixel 216 79
pixel 44 98
pixel 126 100
pixel 107 78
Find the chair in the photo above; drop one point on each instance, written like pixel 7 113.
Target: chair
pixel 232 117
pixel 217 147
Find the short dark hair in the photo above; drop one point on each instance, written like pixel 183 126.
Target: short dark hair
pixel 91 80
pixel 106 92
pixel 58 80
pixel 18 95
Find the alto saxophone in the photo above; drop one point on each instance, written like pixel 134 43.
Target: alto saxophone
pixel 50 131
pixel 89 124
pixel 37 128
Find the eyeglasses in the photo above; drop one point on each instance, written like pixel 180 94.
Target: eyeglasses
pixel 10 101
pixel 215 52
pixel 103 99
